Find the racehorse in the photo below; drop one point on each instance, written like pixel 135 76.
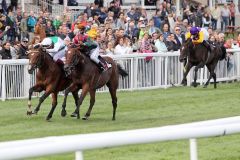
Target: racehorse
pixel 198 55
pixel 86 74
pixel 49 78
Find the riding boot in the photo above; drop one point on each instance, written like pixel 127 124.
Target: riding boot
pixel 61 65
pixel 208 46
pixel 103 66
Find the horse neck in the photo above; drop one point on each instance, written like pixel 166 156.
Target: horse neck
pixel 84 66
pixel 48 64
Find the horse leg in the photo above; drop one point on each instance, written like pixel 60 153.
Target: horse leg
pixel 71 88
pixel 41 99
pixel 92 102
pixel 195 73
pixel 36 88
pixel 210 76
pixel 85 89
pixel 188 66
pixel 54 104
pixel 215 79
pixel 113 91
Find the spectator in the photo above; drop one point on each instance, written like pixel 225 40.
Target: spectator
pixel 232 14
pixel 13 4
pixel 18 22
pixel 57 22
pixel 115 9
pixel 31 22
pixel 110 49
pixel 160 45
pixel 132 13
pixel 216 12
pixel 24 26
pixel 23 47
pixel 151 28
pixel 128 45
pixel 206 20
pixel 157 19
pixel 5 52
pixel 180 38
pixel 142 31
pixel 95 19
pixel 166 32
pixel 49 29
pixel 121 21
pixel 10 21
pixel 102 15
pixel 171 43
pixel 146 46
pixel 131 30
pixel 120 49
pixel 40 29
pixel 225 15
pixel 212 39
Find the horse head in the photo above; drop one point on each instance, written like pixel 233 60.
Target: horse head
pixel 73 58
pixel 36 57
pixel 184 50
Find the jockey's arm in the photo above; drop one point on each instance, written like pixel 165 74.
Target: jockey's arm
pixel 188 35
pixel 56 48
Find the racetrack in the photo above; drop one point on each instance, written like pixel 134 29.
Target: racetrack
pixel 139 109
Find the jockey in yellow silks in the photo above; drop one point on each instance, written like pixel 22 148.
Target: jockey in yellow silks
pixel 199 35
pixel 93 45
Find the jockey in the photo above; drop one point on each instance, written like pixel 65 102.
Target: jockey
pixel 199 35
pixel 88 41
pixel 55 46
pixel 80 36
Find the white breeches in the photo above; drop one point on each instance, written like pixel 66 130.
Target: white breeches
pixel 59 55
pixel 94 55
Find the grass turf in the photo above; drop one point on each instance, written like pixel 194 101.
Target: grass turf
pixel 139 109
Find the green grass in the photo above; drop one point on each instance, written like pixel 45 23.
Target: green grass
pixel 139 109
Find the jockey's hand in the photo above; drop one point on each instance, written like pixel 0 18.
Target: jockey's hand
pixel 80 42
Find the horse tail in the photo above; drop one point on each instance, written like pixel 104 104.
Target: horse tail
pixel 121 71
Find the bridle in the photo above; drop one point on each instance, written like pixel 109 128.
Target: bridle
pixel 40 59
pixel 73 63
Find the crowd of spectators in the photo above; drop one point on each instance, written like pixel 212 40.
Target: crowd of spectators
pixel 118 31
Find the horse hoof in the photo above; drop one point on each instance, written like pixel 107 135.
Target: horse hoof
pixel 74 114
pixel 35 112
pixel 48 119
pixel 195 85
pixel 113 119
pixel 85 118
pixel 29 113
pixel 63 113
pixel 204 86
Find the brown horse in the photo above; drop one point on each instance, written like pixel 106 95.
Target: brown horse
pixel 50 78
pixel 86 74
pixel 198 55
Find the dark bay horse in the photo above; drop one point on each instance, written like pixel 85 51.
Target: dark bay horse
pixel 86 74
pixel 50 78
pixel 198 55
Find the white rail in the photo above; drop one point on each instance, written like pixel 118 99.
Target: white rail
pixel 164 70
pixel 78 143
